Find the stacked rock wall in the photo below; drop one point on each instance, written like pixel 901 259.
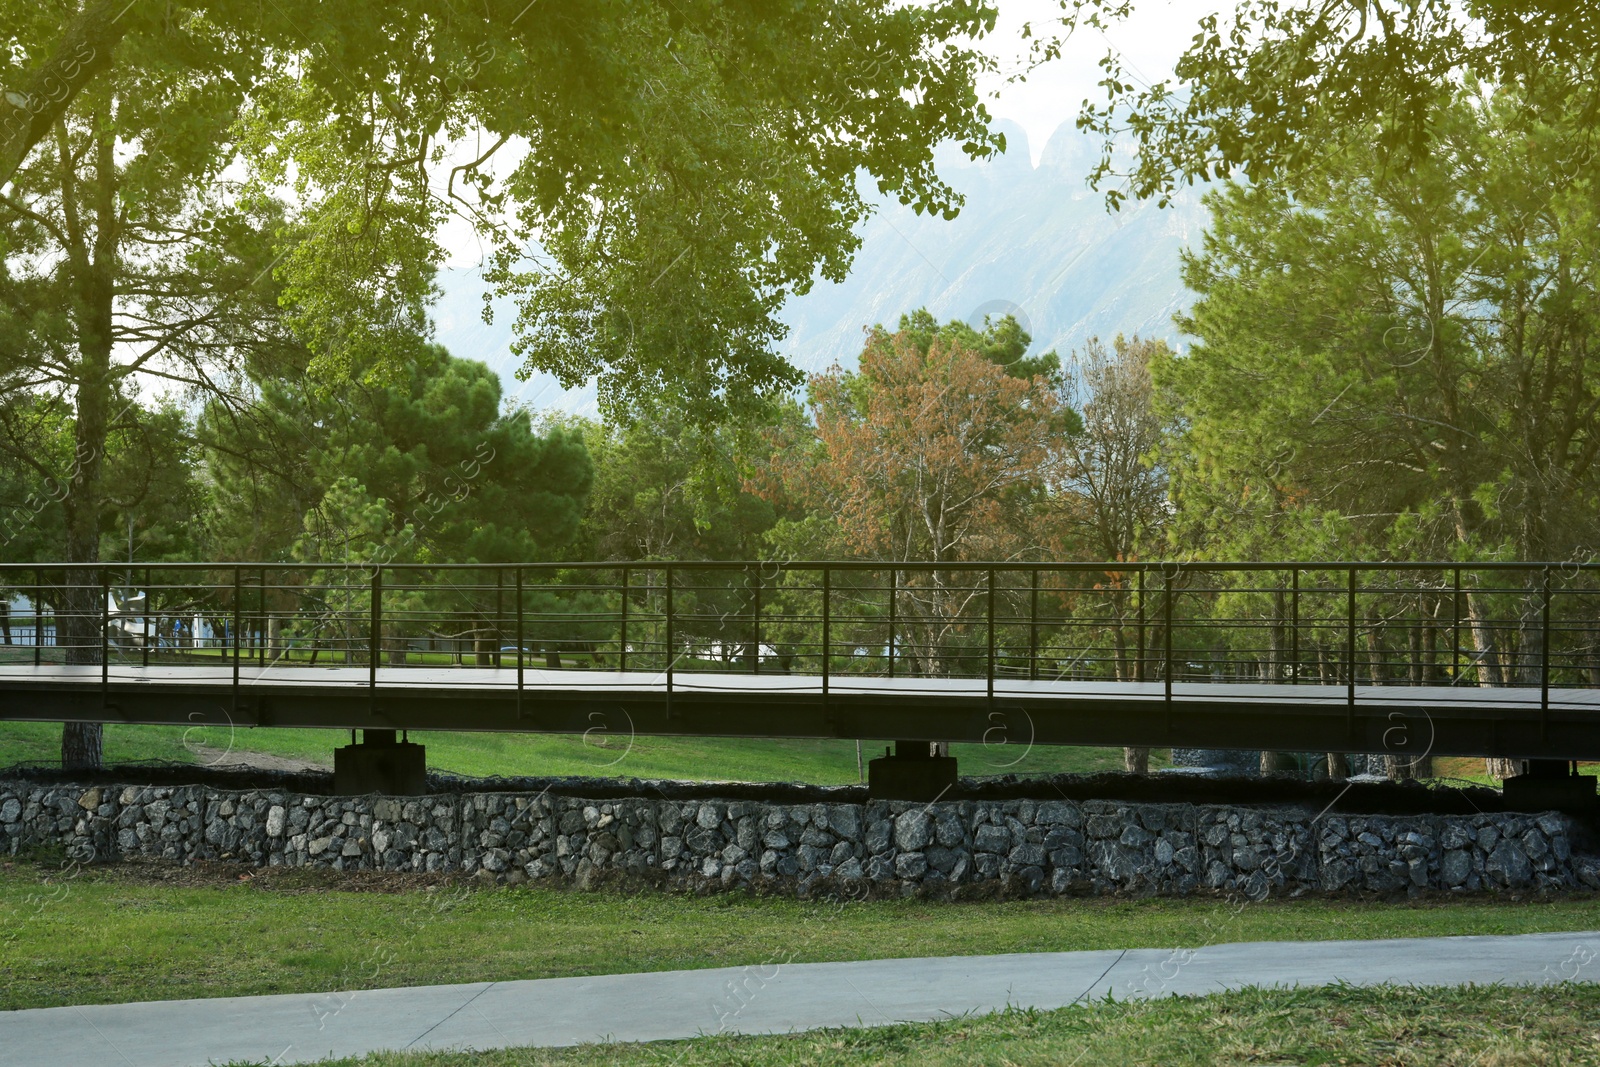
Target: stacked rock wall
pixel 1016 846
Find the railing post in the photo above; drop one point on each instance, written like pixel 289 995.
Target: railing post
pixel 991 636
pixel 375 636
pixel 105 638
pixel 261 614
pixel 1167 574
pixel 755 659
pixel 144 652
pixel 825 633
pixel 499 613
pixel 38 618
pixel 894 595
pixel 670 655
pixel 1033 625
pixel 1350 650
pixel 518 574
pixel 622 632
pixel 238 603
pixel 1294 626
pixel 1143 671
pixel 1544 660
pixel 1455 631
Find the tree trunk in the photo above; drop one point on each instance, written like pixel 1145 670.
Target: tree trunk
pixel 92 273
pixel 1136 760
pixel 1505 768
pixel 1338 766
pixel 79 629
pixel 1401 767
pixel 1276 763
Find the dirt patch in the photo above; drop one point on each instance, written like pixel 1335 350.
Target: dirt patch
pixel 233 759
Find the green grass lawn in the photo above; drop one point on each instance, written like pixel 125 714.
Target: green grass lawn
pixel 609 752
pixel 103 935
pixel 1486 1027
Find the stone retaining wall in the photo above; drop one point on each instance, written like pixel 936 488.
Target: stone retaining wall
pixel 1018 846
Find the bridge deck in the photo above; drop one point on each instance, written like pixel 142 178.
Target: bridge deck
pixel 1443 720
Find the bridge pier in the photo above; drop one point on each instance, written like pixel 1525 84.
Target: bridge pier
pixel 912 772
pixel 1551 784
pixel 380 764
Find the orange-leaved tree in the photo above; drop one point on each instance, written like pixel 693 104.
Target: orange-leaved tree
pixel 935 450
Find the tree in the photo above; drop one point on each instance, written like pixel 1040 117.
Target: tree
pixel 1268 91
pixel 1399 361
pixel 666 489
pixel 690 166
pixel 1112 498
pixel 1406 351
pixel 932 451
pixel 426 468
pixel 470 482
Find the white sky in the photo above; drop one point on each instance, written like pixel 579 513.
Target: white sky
pixel 1150 41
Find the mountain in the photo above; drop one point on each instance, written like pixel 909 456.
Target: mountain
pixel 1033 241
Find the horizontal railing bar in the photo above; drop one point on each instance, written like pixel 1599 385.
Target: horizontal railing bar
pixel 844 565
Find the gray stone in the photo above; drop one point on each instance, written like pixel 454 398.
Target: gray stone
pixel 910 865
pixel 1509 865
pixel 878 836
pixel 11 810
pixel 912 831
pixel 1028 856
pixel 1135 837
pixel 708 817
pixel 991 839
pixel 845 820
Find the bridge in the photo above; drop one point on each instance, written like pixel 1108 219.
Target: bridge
pixel 1472 659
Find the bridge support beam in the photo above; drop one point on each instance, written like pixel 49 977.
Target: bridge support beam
pixel 912 772
pixel 1549 785
pixel 380 764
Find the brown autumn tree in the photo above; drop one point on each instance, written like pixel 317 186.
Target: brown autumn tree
pixel 934 450
pixel 1112 498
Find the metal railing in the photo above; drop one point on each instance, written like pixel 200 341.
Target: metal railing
pixel 1528 626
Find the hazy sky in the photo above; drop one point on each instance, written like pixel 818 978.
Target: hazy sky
pixel 1150 41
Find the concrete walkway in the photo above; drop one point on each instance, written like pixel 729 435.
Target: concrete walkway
pixel 774 998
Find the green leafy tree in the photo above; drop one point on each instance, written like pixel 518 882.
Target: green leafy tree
pixel 1396 362
pixel 1266 89
pixel 471 482
pixel 664 489
pixel 687 168
pixel 1400 359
